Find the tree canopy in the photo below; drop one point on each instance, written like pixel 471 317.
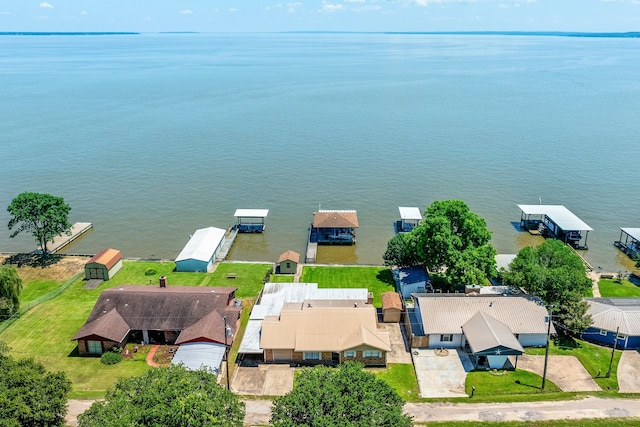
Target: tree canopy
pixel 450 238
pixel 556 274
pixel 172 396
pixel 343 396
pixel 43 215
pixel 29 394
pixel 10 288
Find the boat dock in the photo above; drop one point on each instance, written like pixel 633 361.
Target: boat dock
pixel 312 248
pixel 230 237
pixel 77 230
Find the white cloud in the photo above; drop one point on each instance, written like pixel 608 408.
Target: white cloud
pixel 428 2
pixel 5 12
pixel 84 13
pixel 186 12
pixel 355 1
pixel 331 7
pixel 232 10
pixel 291 7
pixel 46 5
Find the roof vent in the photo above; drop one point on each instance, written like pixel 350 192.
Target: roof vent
pixel 355 304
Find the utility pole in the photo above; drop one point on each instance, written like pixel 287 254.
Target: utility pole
pixel 613 352
pixel 226 350
pixel 546 351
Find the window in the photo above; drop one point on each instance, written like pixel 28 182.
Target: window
pixel 350 353
pixel 372 353
pixel 603 332
pixel 311 355
pixel 288 264
pixel 446 338
pixel 622 337
pixel 94 347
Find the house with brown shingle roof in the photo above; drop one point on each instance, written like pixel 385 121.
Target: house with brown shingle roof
pixel 334 226
pixel 164 315
pixel 326 332
pixel 103 265
pixel 287 263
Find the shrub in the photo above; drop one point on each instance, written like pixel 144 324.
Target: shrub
pixel 110 358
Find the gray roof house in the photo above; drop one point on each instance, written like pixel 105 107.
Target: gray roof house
pixel 487 326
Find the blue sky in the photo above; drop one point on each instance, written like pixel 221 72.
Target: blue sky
pixel 319 15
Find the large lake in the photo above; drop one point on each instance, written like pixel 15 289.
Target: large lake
pixel 152 136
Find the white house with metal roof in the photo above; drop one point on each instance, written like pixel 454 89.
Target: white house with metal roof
pixel 201 250
pixel 484 324
pixel 555 221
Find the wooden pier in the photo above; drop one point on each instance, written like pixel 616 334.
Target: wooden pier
pixel 230 237
pixel 77 230
pixel 312 249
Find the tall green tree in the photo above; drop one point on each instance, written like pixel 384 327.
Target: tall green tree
pixel 29 394
pixel 346 396
pixel 172 396
pixel 556 274
pixel 10 289
pixel 43 215
pixel 455 240
pixel 401 251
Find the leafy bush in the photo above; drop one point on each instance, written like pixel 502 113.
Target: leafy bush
pixel 110 358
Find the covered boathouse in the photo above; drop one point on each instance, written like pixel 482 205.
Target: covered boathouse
pixel 250 220
pixel 555 221
pixel 629 242
pixel 410 217
pixel 334 227
pixel 201 250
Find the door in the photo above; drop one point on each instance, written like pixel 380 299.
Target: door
pixel 281 355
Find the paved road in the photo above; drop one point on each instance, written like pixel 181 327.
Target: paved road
pixel 259 411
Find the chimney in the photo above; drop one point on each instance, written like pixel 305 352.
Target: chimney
pixel 370 298
pixel 163 282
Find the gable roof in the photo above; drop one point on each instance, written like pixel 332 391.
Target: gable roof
pixel 612 313
pixel 289 256
pixel 391 300
pixel 153 308
pixel 310 328
pixel 108 257
pixel 446 313
pixel 335 219
pixel 210 328
pixel 202 245
pixel 484 333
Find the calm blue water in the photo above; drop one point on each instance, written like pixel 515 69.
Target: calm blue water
pixel 150 137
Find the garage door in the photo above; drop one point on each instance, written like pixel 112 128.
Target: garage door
pixel 281 355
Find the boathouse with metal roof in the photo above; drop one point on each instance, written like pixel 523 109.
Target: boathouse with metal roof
pixel 251 220
pixel 201 250
pixel 629 242
pixel 555 221
pixel 410 217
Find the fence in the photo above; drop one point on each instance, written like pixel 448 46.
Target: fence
pixel 4 324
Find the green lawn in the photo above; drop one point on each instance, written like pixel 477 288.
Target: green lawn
pixel 611 288
pixel 36 288
pixel 593 357
pixel 491 384
pixel 376 279
pixel 45 331
pixel 402 377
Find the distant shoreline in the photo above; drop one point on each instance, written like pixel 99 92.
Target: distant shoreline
pixel 632 34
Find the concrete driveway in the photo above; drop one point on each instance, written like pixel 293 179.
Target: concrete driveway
pixel 629 372
pixel 263 380
pixel 565 371
pixel 441 375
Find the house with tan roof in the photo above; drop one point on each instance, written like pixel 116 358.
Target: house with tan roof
pixel 287 263
pixel 489 327
pixel 325 332
pixel 164 315
pixel 614 320
pixel 103 265
pixel 334 227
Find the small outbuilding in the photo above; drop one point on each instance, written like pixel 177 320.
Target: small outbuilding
pixel 391 307
pixel 411 280
pixel 288 263
pixel 201 250
pixel 103 265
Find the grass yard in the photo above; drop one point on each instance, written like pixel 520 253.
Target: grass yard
pixel 492 384
pixel 402 377
pixel 35 289
pixel 376 279
pixel 593 357
pixel 611 288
